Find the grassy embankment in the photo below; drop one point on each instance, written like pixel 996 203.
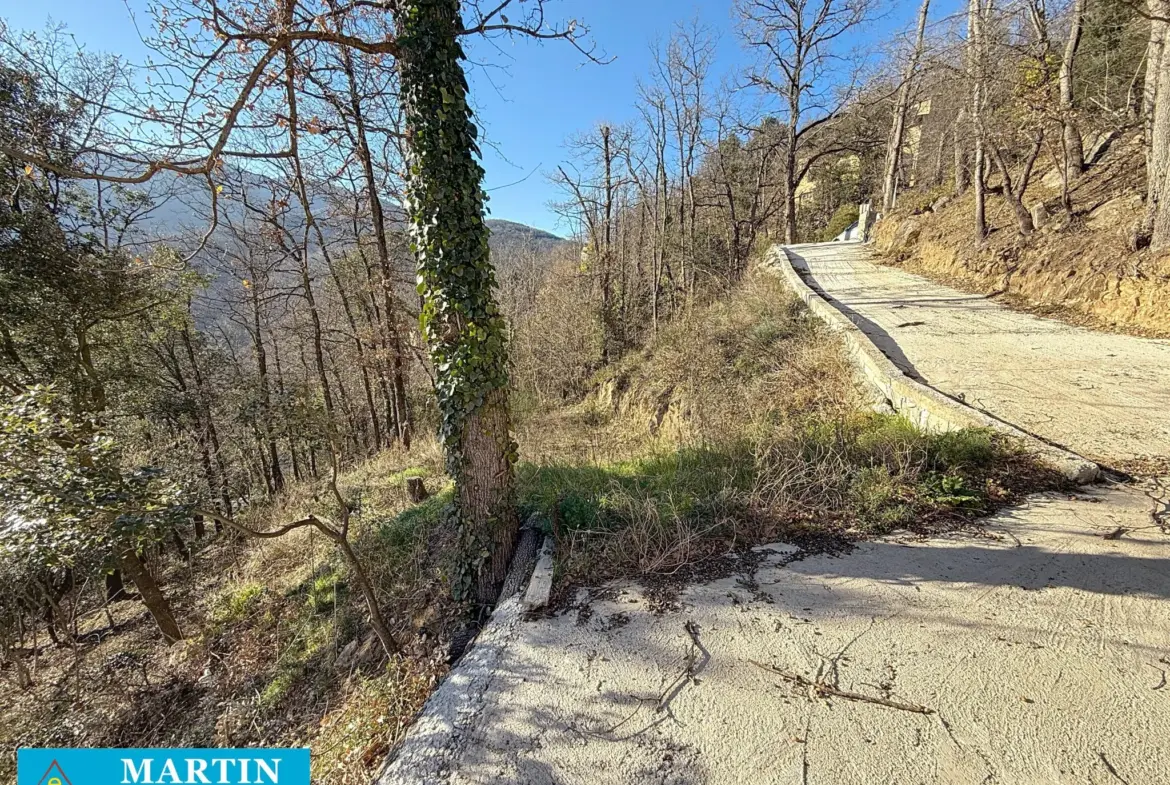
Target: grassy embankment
pixel 743 425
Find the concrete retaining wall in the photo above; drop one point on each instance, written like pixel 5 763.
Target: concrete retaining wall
pixel 923 405
pixel 426 753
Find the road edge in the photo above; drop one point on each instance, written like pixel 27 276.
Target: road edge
pixel 437 735
pixel 921 404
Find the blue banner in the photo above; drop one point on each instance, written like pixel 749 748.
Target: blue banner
pixel 36 766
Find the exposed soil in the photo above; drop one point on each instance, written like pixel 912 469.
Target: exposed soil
pixel 1078 268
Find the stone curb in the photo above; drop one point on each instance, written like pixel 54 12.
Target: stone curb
pixel 433 742
pixel 540 585
pixel 923 405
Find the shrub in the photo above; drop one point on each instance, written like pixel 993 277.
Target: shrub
pixel 843 217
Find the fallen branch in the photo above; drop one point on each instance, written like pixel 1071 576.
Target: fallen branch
pixel 818 688
pixel 694 666
pixel 1109 767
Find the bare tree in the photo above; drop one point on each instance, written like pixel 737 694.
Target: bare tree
pixel 227 88
pixel 802 64
pixel 1072 147
pixel 681 73
pixel 901 107
pixel 1155 48
pixel 593 186
pixel 1157 220
pixel 978 11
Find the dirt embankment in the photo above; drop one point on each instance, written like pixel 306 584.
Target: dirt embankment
pixel 1077 267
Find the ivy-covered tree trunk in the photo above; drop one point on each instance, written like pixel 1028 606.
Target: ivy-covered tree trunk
pixel 460 318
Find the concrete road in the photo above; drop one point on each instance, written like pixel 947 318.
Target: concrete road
pixel 1038 652
pixel 1041 651
pixel 1104 396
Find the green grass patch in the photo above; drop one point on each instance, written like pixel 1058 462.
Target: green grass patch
pixel 237 604
pixel 588 497
pixel 325 591
pixel 312 636
pixel 861 473
pixel 405 474
pixel 405 529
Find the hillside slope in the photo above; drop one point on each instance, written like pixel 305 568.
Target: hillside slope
pixel 741 425
pixel 1077 267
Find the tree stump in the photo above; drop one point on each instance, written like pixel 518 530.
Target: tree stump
pixel 416 490
pixel 1040 215
pixel 115 588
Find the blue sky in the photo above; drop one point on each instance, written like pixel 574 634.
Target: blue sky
pixel 546 92
pixel 529 96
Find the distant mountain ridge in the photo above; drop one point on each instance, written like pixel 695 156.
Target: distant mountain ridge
pixel 505 233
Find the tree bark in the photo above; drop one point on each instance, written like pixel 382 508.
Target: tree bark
pixel 1154 51
pixel 377 620
pixel 290 432
pixel 975 44
pixel 609 336
pixel 462 322
pixel 790 181
pixel 1158 174
pixel 901 107
pixel 1014 188
pixel 1074 150
pixel 152 596
pixel 962 174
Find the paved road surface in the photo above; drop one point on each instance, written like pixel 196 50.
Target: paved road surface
pixel 1104 396
pixel 1042 649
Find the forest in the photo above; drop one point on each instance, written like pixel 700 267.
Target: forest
pixel 278 395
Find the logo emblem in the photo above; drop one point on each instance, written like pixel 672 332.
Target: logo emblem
pixel 54 775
